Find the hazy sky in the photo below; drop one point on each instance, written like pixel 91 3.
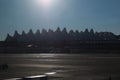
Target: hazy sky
pixel 101 15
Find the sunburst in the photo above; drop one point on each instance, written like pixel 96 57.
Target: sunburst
pixel 45 3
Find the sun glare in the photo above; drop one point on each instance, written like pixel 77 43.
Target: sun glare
pixel 48 10
pixel 45 3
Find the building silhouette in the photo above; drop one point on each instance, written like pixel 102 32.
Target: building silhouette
pixel 61 41
pixel 62 35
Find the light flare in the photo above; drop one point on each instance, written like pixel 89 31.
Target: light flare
pixel 45 3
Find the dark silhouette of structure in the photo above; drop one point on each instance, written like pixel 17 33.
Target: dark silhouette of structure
pixel 60 35
pixel 61 41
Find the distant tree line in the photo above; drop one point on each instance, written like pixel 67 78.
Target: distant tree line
pixel 61 35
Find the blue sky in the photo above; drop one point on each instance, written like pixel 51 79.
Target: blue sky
pixel 101 15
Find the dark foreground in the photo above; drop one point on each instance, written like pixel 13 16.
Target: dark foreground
pixel 62 66
pixel 106 46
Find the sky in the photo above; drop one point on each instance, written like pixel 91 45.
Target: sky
pixel 101 15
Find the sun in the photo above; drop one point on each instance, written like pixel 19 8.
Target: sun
pixel 45 3
pixel 48 10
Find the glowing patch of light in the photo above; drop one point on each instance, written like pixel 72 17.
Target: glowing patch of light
pixel 38 76
pixel 45 3
pixel 50 73
pixel 48 11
